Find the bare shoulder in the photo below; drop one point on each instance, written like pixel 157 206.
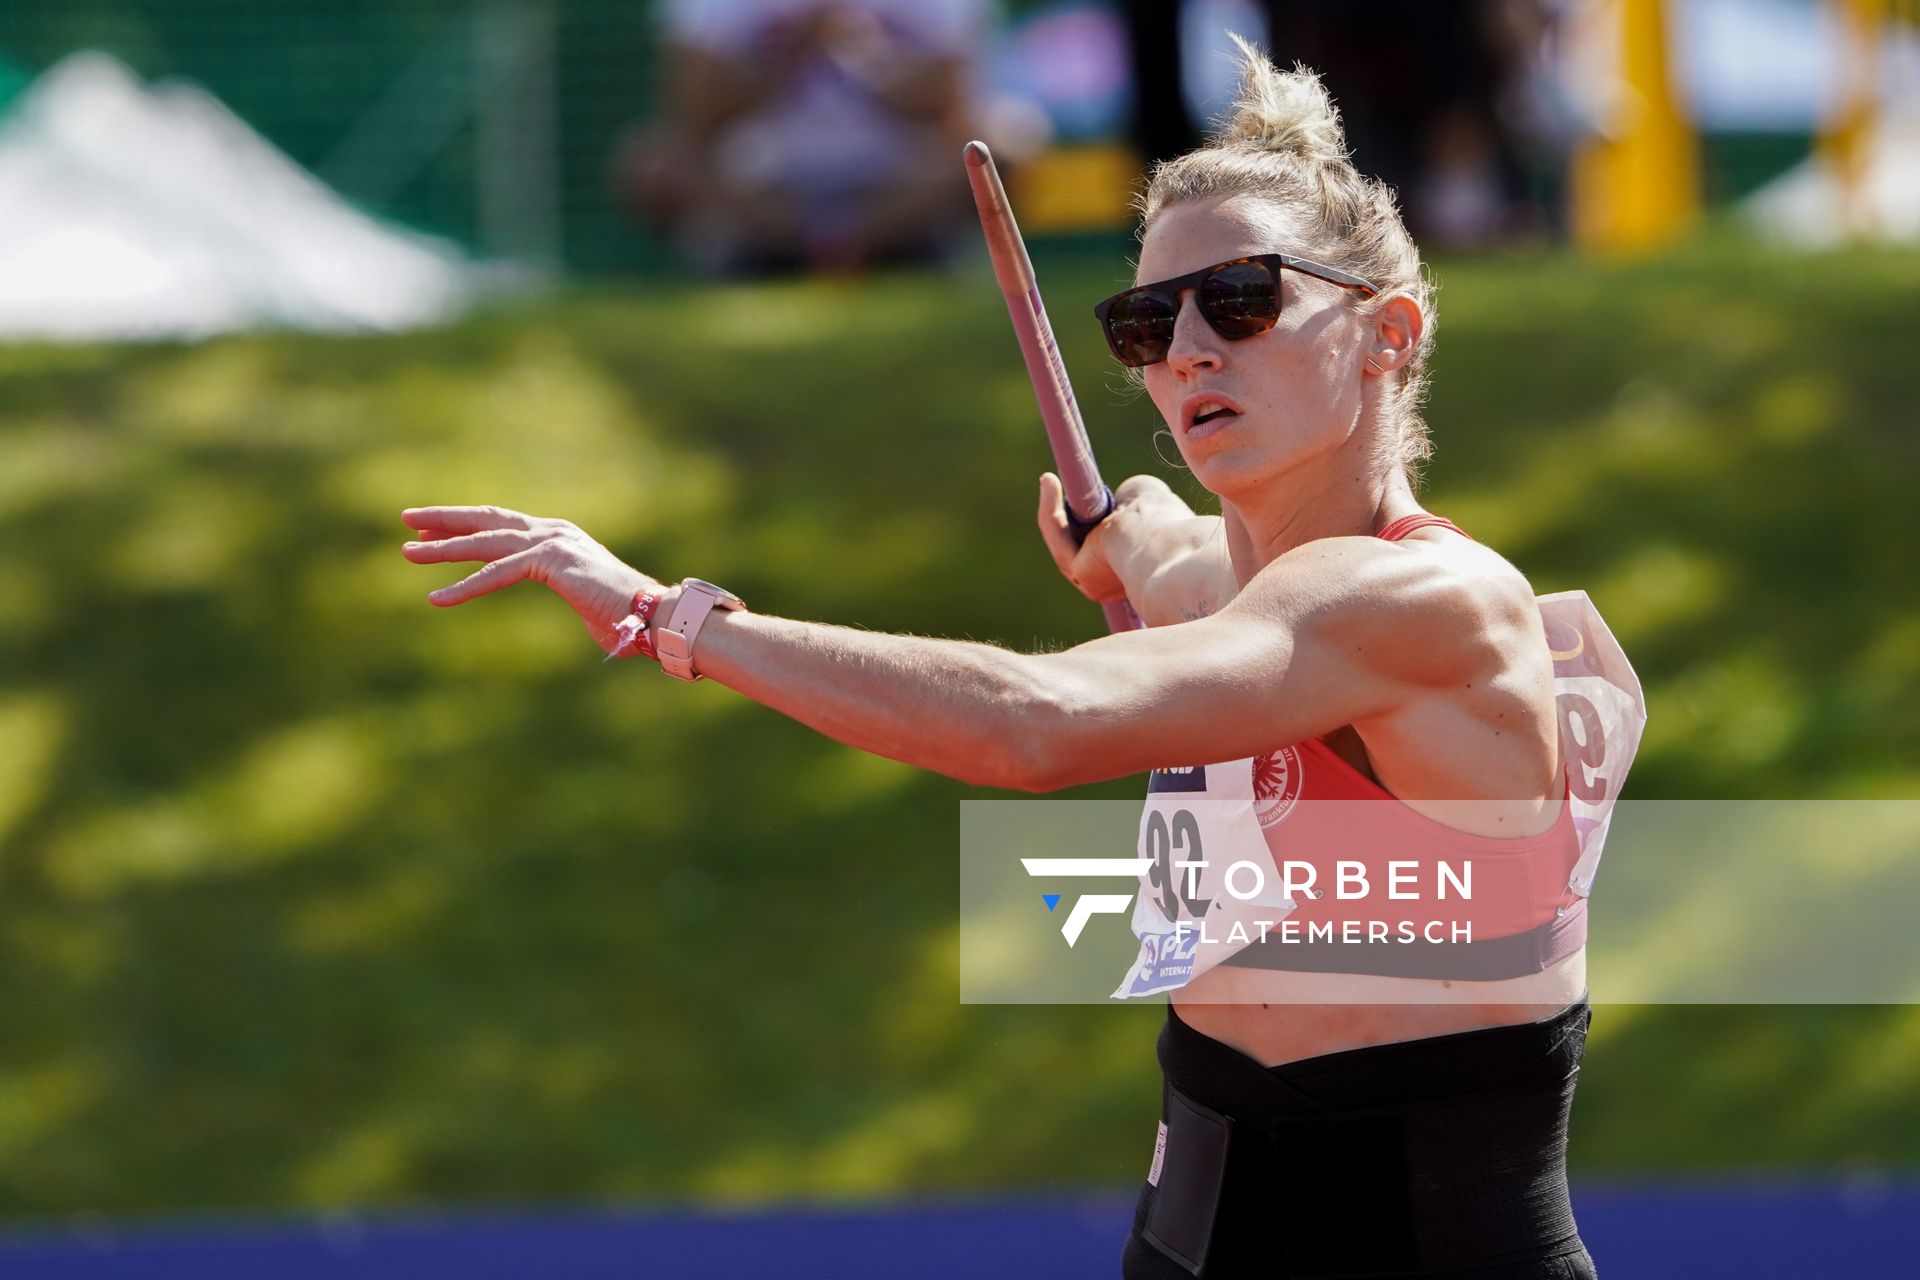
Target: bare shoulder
pixel 1426 650
pixel 1454 629
pixel 1474 584
pixel 1434 607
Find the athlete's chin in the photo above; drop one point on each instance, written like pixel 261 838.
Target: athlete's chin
pixel 1229 472
pixel 1230 467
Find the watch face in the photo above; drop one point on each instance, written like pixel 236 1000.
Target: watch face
pixel 727 600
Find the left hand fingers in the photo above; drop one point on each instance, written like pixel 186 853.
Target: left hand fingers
pixel 469 519
pixel 501 573
pixel 491 545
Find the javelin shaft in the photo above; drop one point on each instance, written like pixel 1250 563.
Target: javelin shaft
pixel 1088 498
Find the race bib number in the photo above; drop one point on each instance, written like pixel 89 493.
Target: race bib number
pixel 1210 885
pixel 1602 714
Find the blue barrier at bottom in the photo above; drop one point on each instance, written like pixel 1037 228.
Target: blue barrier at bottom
pixel 1635 1233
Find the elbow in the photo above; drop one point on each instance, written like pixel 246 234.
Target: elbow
pixel 1022 766
pixel 1038 774
pixel 1022 758
pixel 1056 761
pixel 1039 747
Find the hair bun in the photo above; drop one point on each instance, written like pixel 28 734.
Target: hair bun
pixel 1279 110
pixel 1281 143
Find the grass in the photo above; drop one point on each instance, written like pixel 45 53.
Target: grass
pixel 313 895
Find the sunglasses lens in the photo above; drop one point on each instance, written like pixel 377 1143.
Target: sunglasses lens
pixel 1140 327
pixel 1239 299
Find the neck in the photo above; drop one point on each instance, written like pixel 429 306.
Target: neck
pixel 1340 494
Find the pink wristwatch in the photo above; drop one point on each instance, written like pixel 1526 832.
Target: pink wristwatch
pixel 675 637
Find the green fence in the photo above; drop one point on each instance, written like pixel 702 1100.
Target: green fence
pixel 491 121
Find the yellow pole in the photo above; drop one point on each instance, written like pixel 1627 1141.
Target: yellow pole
pixel 1844 141
pixel 1637 185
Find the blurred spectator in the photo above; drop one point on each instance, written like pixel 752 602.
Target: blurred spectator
pixel 1450 104
pixel 1161 126
pixel 1422 88
pixel 808 133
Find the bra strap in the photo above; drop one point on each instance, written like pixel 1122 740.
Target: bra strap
pixel 1407 524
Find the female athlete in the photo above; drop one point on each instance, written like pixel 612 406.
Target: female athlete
pixel 1329 1109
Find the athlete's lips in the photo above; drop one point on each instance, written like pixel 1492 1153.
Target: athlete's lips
pixel 1208 405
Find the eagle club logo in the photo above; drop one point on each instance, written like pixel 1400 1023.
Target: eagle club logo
pixel 1277 778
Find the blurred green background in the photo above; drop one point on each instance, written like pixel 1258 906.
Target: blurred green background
pixel 316 895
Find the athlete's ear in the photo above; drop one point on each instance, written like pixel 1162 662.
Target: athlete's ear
pixel 1397 327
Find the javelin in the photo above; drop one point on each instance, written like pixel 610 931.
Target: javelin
pixel 1088 499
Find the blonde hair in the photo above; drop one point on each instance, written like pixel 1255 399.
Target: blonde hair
pixel 1281 141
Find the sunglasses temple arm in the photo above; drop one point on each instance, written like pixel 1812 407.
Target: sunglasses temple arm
pixel 1088 499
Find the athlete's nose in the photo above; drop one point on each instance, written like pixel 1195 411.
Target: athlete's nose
pixel 1196 347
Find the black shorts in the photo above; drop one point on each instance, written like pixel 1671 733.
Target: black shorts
pixel 1444 1156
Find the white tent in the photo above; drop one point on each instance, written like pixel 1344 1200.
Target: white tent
pixel 1809 205
pixel 130 211
pixel 1785 66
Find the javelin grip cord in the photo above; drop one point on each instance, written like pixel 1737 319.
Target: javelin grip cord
pixel 1081 528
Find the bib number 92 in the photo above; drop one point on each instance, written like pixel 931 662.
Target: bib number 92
pixel 1173 840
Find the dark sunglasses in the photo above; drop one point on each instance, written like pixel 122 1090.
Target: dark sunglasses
pixel 1239 298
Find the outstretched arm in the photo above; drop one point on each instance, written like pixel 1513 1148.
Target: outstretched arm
pixel 1335 633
